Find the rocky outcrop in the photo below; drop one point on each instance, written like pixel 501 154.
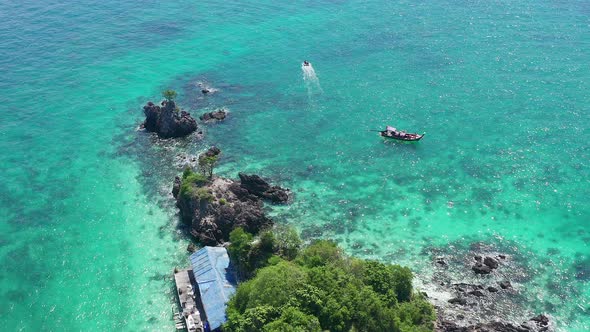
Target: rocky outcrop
pixel 479 268
pixel 218 115
pixel 484 265
pixel 213 208
pixel 256 186
pixel 211 152
pixel 168 120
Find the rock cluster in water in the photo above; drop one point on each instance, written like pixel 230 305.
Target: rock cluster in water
pixel 168 120
pixel 218 115
pixel 222 205
pixel 472 292
pixel 539 323
pixel 484 265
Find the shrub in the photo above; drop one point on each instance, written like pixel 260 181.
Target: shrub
pixel 169 94
pixel 222 201
pixel 191 180
pixel 203 194
pixel 320 252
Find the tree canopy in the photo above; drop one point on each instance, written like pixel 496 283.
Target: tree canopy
pixel 169 94
pixel 319 288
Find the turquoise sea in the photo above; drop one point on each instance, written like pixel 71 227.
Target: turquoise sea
pixel 89 233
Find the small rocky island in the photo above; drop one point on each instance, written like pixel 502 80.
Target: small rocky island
pixel 214 206
pixel 167 120
pixel 218 115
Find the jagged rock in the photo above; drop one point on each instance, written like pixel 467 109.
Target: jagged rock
pixel 481 269
pixel 502 256
pixel 505 284
pixel 256 186
pixel 215 208
pixel 176 186
pixel 205 91
pixel 478 258
pixel 458 300
pixel 215 215
pixel 211 152
pixel 492 263
pixel 167 120
pixel 253 183
pixel 218 115
pixel 492 289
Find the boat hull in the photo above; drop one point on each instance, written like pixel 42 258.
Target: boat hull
pixel 407 138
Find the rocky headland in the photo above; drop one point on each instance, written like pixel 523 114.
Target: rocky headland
pixel 214 206
pixel 167 120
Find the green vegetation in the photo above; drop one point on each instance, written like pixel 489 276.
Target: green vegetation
pixel 222 201
pixel 319 288
pixel 192 183
pixel 207 164
pixel 169 94
pixel 203 194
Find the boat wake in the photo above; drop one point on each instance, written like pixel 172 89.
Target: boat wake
pixel 311 80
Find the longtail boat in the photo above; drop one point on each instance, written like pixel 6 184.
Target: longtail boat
pixel 391 132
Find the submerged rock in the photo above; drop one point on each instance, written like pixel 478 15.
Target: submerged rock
pixel 506 284
pixel 167 120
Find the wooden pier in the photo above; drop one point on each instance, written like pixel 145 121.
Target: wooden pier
pixel 190 317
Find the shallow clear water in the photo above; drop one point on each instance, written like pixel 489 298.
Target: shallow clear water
pixel 89 236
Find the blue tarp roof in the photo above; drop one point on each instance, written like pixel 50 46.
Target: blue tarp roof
pixel 216 281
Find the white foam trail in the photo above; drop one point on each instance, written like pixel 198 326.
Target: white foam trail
pixel 311 80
